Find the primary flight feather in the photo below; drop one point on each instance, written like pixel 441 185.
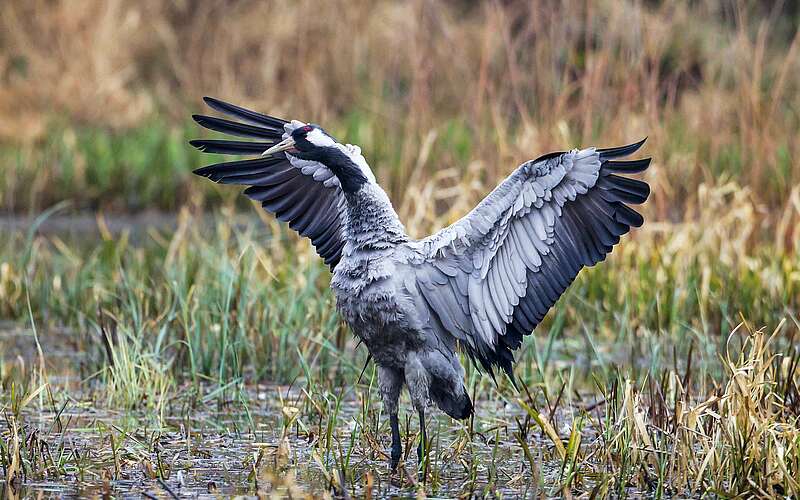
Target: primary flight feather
pixel 480 284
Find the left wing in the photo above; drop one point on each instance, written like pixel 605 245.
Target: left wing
pixel 306 194
pixel 488 279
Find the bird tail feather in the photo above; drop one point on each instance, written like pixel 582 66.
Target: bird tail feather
pixel 457 406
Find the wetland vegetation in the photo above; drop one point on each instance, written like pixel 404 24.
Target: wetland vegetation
pixel 162 336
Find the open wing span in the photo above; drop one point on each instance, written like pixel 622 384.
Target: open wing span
pixel 490 278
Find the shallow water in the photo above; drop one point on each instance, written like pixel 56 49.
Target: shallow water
pixel 239 443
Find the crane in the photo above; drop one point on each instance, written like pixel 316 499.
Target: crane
pixel 477 286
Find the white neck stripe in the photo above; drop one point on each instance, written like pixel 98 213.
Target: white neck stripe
pixel 319 139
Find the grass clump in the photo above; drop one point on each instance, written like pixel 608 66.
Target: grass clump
pixel 739 439
pixel 632 374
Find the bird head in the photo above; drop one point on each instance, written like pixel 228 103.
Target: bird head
pixel 311 142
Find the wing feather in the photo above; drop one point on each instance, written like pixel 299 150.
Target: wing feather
pixel 514 255
pixel 238 129
pixel 304 194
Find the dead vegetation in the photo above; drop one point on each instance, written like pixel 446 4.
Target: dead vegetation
pixel 653 376
pixel 448 92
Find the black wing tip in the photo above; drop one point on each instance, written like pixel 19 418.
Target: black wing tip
pixel 202 120
pixel 628 190
pixel 212 100
pixel 202 172
pixel 512 378
pixel 621 150
pixel 637 145
pixel 501 358
pixel 198 144
pixel 244 113
pixel 627 166
pixel 216 104
pixel 239 129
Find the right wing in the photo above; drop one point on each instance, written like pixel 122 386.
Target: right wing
pixel 489 279
pixel 306 194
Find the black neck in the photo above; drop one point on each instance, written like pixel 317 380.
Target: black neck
pixel 349 174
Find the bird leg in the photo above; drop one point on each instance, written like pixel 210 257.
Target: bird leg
pixel 397 448
pixel 422 450
pixel 390 382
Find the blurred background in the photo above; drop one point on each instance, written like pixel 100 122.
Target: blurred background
pixel 95 97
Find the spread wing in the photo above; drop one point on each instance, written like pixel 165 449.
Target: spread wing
pixel 489 279
pixel 303 193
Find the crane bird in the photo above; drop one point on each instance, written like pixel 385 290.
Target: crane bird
pixel 479 285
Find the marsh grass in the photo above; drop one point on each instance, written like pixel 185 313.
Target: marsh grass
pixel 95 100
pixel 739 439
pixel 215 300
pixel 204 354
pixel 629 385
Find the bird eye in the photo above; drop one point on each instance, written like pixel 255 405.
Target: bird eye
pixel 307 129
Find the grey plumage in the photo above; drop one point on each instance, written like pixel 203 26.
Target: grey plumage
pixel 479 285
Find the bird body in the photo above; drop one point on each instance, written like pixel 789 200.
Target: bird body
pixel 477 286
pixel 373 296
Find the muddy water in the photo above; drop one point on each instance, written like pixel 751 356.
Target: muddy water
pixel 236 444
pixel 73 444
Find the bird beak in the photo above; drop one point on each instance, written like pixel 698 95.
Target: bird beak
pixel 284 145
